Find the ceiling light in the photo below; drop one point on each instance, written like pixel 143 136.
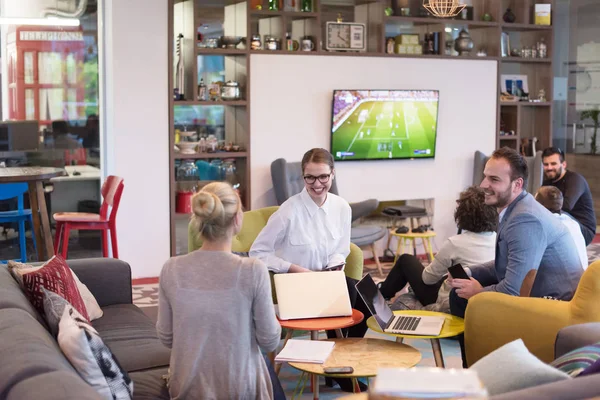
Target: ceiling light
pixel 444 8
pixel 49 21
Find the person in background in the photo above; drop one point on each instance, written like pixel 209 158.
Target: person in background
pixel 310 232
pixel 216 312
pixel 552 198
pixel 62 139
pixel 475 245
pixel 575 189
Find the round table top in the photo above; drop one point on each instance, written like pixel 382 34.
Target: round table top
pixel 323 324
pixel 365 355
pixel 29 174
pixel 410 235
pixel 452 325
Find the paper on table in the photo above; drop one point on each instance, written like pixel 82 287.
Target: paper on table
pixel 307 351
pixel 425 383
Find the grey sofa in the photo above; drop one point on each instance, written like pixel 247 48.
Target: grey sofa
pixel 585 387
pixel 33 366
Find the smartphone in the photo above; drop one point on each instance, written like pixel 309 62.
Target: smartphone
pixel 458 272
pixel 338 370
pixel 339 267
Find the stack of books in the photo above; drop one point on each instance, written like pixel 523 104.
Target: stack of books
pixel 306 351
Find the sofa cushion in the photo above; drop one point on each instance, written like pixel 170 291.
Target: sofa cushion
pixel 150 385
pixel 57 385
pixel 132 338
pixel 513 367
pixel 27 350
pixel 578 360
pixel 12 296
pixel 89 355
pixel 55 276
pixel 18 269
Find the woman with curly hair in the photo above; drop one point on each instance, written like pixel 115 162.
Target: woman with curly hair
pixel 475 245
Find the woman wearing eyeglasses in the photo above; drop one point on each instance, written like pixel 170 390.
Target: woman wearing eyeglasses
pixel 310 231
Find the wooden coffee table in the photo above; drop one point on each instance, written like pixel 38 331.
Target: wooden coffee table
pixel 365 355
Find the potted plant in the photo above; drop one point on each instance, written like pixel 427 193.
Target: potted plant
pixel 593 115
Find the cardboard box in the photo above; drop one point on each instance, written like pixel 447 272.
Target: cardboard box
pixel 543 14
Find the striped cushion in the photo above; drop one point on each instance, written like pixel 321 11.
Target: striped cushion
pixel 576 361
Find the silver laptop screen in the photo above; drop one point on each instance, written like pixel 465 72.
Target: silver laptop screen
pixel 374 301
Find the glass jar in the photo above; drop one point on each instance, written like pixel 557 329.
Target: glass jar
pixel 187 176
pixel 216 170
pixel 256 43
pixel 230 173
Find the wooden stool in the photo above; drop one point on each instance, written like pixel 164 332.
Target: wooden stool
pixel 408 238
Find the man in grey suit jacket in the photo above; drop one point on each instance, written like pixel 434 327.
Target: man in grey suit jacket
pixel 529 238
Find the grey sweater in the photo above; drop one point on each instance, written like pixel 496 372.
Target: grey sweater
pixel 215 310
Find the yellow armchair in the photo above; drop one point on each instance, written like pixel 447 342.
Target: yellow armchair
pixel 494 319
pixel 253 223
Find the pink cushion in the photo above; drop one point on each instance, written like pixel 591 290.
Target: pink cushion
pixel 77 217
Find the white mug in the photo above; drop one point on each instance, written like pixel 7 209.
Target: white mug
pixel 307 45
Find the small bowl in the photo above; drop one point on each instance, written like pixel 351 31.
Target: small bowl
pixel 187 147
pixel 187 133
pixel 231 42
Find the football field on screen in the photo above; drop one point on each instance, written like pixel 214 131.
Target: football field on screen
pixel 387 129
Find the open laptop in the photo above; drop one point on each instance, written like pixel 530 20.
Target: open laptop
pixel 387 321
pixel 312 295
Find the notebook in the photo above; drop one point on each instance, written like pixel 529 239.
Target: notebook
pixel 312 295
pixel 415 383
pixel 388 322
pixel 308 351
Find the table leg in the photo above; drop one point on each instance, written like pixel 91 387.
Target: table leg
pixel 399 248
pixel 355 385
pixel 437 353
pixel 45 220
pixel 399 339
pixel 35 214
pixel 338 334
pixel 430 249
pixel 288 336
pixel 314 335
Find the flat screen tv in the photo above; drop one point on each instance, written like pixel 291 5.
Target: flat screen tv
pixel 383 124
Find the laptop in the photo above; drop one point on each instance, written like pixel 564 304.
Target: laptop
pixel 390 323
pixel 312 295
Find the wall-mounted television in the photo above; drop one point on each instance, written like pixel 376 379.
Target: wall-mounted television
pixel 383 124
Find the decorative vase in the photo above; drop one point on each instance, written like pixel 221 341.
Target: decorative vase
pixel 509 16
pixel 463 43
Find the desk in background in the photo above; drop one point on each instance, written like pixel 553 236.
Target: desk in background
pixel 81 183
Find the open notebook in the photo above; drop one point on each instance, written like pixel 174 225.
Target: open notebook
pixel 307 351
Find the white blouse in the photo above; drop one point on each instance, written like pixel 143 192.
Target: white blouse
pixel 302 233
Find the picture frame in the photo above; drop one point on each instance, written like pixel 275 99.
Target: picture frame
pixel 505 45
pixel 509 82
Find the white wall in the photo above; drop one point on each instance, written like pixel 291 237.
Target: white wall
pixel 135 128
pixel 291 113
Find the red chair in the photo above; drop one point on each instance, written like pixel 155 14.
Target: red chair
pixel 65 221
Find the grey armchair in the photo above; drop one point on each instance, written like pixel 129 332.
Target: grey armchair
pixel 534 164
pixel 288 181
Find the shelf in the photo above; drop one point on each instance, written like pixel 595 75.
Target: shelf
pixel 524 27
pixel 508 137
pixel 199 156
pixel 289 14
pixel 526 60
pixel 371 54
pixel 436 21
pixel 525 104
pixel 223 52
pixel 235 103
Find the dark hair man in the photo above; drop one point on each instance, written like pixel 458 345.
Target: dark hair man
pixel 575 189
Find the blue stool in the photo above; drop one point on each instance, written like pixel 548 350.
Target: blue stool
pixel 10 191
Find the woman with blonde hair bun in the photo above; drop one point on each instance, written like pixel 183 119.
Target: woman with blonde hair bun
pixel 215 310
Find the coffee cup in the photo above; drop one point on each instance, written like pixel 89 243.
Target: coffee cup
pixel 292 45
pixel 307 44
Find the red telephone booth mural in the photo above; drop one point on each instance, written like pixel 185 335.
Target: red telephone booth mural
pixel 44 74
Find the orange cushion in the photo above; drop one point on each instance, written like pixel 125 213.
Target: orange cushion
pixel 77 216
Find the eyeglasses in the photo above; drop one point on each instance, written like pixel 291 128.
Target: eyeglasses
pixel 312 179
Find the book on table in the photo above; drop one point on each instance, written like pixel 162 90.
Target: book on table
pixel 416 383
pixel 306 351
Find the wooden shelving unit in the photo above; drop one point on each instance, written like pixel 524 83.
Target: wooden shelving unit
pixel 239 18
